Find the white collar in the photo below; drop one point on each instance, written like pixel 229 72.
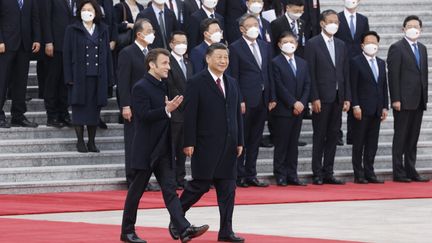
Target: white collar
pixel 157 10
pixel 289 19
pixel 249 42
pixel 140 46
pixel 214 76
pixel 208 12
pixel 288 57
pixel 410 42
pixel 368 58
pixel 348 14
pixel 326 38
pixel 177 57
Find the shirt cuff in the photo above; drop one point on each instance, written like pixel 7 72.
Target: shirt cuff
pixel 168 113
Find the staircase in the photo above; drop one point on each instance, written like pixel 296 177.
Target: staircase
pixel 43 159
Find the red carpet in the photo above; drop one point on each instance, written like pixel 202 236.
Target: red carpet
pixel 18 230
pixel 114 200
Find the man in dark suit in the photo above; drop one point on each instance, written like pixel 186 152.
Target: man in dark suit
pixel 56 17
pixel 180 9
pixel 231 11
pixel 290 21
pixel 151 148
pixel 408 81
pixel 193 26
pixel 351 28
pixel 163 21
pixel 370 107
pixel 212 33
pixel 181 70
pixel 129 70
pixel 19 37
pixel 292 84
pixel 108 17
pixel 192 6
pixel 330 94
pixel 213 137
pixel 311 17
pixel 249 65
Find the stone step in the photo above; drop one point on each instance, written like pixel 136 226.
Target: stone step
pixel 373 5
pixel 393 27
pixel 109 116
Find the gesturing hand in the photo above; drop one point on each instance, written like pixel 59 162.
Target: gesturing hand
pixel 172 105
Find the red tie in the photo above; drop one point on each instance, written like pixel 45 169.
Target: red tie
pixel 218 83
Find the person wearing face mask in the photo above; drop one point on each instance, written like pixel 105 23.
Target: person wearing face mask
pixel 292 84
pixel 250 58
pixel 87 65
pixel 370 106
pixel 212 34
pixel 193 26
pixel 163 20
pixel 328 61
pixel 408 82
pixel 290 21
pixel 181 70
pixel 232 11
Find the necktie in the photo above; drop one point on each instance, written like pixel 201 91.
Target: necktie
pixel 218 83
pixel 183 67
pixel 374 69
pixel 212 16
pixel 294 29
pixel 291 63
pixel 162 28
pixel 255 53
pixel 332 51
pixel 416 54
pixel 352 27
pixel 20 3
pixel 145 51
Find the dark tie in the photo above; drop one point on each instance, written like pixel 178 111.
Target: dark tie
pixel 20 3
pixel 171 6
pixel 218 83
pixel 416 54
pixel 162 27
pixel 352 27
pixel 212 16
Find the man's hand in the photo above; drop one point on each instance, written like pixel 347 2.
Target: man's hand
pixel 357 112
pixel 396 105
pixel 172 105
pixel 188 151
pixel 129 25
pixel 384 114
pixel 316 106
pixel 272 105
pixel 36 47
pixel 2 48
pixel 243 107
pixel 299 106
pixel 112 45
pixel 127 113
pixel 346 106
pixel 49 49
pixel 239 150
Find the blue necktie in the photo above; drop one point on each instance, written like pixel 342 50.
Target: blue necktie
pixel 352 28
pixel 417 54
pixel 20 3
pixel 291 62
pixel 374 70
pixel 183 67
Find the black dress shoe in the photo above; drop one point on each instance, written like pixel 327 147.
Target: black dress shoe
pixel 53 122
pixel 420 179
pixel 332 180
pixel 102 124
pixel 374 180
pixel 255 182
pixel 296 182
pixel 301 143
pixel 231 238
pixel 66 121
pixel 242 183
pixel 173 231
pixel 23 123
pixel 81 147
pixel 4 124
pixel 132 238
pixel 317 181
pixel 92 148
pixel 340 142
pixel 360 181
pixel 281 182
pixel 193 232
pixel 401 179
pixel 152 187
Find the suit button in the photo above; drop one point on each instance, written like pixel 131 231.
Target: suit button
pixel 86 47
pixel 96 47
pixel 96 64
pixel 88 64
pixel 96 55
pixel 88 55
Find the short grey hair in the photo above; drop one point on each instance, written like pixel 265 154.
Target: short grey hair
pixel 245 17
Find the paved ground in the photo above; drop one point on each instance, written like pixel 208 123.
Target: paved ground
pixel 392 221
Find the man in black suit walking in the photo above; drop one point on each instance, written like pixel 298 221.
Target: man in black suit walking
pixel 330 94
pixel 19 37
pixel 151 148
pixel 370 106
pixel 408 81
pixel 181 70
pixel 213 137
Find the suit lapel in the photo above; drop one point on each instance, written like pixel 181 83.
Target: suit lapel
pixel 176 67
pixel 286 64
pixel 369 70
pixel 213 85
pixel 326 51
pixel 410 52
pixel 248 51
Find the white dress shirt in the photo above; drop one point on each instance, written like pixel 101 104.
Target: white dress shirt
pixel 348 18
pixel 215 77
pixel 209 13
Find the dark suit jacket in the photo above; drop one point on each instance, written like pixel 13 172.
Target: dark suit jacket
pixel 171 25
pixel 280 25
pixel 56 17
pixel 119 15
pixel 324 75
pixel 109 17
pixel 151 123
pixel 311 17
pixel 130 69
pixel 213 125
pixel 232 10
pixel 370 95
pixel 19 26
pixel 176 82
pixel 197 56
pixel 191 6
pixel 344 33
pixel 408 83
pixel 244 68
pixel 290 88
pixel 193 29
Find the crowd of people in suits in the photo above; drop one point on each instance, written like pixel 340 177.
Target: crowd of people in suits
pixel 202 79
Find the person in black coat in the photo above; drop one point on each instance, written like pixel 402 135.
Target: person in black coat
pixel 192 6
pixel 231 11
pixel 311 16
pixel 108 18
pixel 88 70
pixel 370 106
pixel 125 15
pixel 330 95
pixel 40 57
pixel 163 21
pixel 151 148
pixel 213 137
pixel 408 82
pixel 19 37
pixel 292 82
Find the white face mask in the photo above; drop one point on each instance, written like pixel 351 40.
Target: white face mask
pixel 252 32
pixel 149 38
pixel 160 2
pixel 288 48
pixel 210 3
pixel 216 37
pixel 180 49
pixel 350 4
pixel 87 16
pixel 331 28
pixel 370 49
pixel 294 16
pixel 412 33
pixel 256 8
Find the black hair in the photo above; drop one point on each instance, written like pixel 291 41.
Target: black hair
pixel 412 17
pixel 374 33
pixel 98 12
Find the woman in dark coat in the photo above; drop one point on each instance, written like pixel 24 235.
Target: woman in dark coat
pixel 88 71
